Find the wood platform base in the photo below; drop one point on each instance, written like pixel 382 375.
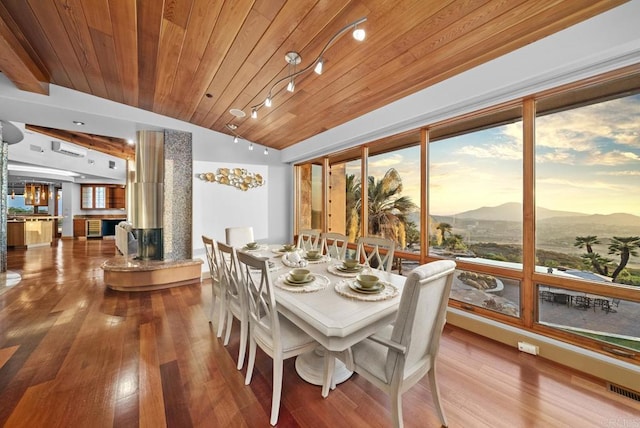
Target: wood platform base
pixel 127 274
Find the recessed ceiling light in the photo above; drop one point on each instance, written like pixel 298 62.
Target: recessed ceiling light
pixel 237 112
pixel 232 126
pixel 79 123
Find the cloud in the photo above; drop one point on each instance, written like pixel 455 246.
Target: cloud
pixel 386 161
pixel 612 158
pixel 493 151
pixel 620 173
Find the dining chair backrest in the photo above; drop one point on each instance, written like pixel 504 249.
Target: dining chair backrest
pixel 376 252
pixel 229 274
pixel 421 318
pixel 238 236
pixel 261 301
pixel 217 289
pixel 210 249
pixel 308 239
pixel 334 245
pixel 235 297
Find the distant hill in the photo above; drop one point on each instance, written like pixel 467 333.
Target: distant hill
pixel 512 211
pixel 617 219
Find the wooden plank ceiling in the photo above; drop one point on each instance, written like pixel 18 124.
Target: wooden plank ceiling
pixel 195 60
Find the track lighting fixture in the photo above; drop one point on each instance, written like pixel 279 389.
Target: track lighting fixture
pixel 250 146
pixel 235 139
pixel 319 65
pixel 266 151
pixel 294 58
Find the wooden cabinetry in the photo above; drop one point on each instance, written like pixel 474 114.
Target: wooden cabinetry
pixel 102 196
pixel 79 227
pixel 15 234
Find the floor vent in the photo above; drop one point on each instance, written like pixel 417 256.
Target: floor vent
pixel 624 392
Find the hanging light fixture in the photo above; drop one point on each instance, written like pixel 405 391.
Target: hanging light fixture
pixel 294 58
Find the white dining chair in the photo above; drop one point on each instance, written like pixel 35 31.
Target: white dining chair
pixel 235 298
pixel 398 356
pixel 308 239
pixel 275 335
pixel 334 245
pixel 238 236
pixel 217 290
pixel 369 253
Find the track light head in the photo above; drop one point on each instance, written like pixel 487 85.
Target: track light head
pixel 254 113
pixel 291 86
pixel 267 102
pixel 236 139
pixel 251 146
pixel 359 34
pixel 319 65
pixel 266 151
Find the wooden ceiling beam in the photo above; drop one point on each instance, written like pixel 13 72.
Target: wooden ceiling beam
pixel 113 146
pixel 17 65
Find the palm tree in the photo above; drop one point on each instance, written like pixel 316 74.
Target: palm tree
pixel 598 262
pixel 388 210
pixel 352 207
pixel 594 259
pixel 586 241
pixel 625 247
pixel 444 227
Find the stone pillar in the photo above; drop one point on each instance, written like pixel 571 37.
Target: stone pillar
pixel 178 193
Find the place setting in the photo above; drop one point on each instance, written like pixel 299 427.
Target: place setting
pixel 315 256
pixel 301 280
pixel 253 246
pixel 286 248
pixel 348 268
pixel 367 287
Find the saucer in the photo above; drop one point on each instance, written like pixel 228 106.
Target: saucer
pixel 290 281
pixel 313 259
pixel 371 290
pixel 342 268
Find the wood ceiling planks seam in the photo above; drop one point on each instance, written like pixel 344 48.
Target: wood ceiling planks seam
pixel 167 56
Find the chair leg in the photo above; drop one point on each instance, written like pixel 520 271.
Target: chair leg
pixel 435 392
pixel 251 361
pixel 213 303
pixel 396 407
pixel 229 325
pixel 243 342
pixel 277 390
pixel 221 314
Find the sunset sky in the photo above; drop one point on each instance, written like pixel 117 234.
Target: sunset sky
pixel 587 160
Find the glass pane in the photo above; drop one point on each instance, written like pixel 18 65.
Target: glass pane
pixel 487 291
pixel 394 197
pixel 599 317
pixel 344 199
pixel 475 196
pixel 588 191
pixel 310 197
pixel 101 197
pixel 87 197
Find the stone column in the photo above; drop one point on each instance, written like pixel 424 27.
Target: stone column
pixel 178 190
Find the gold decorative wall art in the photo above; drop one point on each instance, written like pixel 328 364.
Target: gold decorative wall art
pixel 236 177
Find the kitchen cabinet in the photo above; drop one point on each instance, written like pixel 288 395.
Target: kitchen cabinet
pixel 102 196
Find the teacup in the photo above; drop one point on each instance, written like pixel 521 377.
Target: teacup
pixel 313 254
pixel 367 281
pixel 299 274
pixel 288 247
pixel 252 245
pixel 350 263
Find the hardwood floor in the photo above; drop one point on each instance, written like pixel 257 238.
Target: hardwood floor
pixel 75 354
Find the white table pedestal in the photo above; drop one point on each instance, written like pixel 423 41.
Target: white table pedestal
pixel 310 367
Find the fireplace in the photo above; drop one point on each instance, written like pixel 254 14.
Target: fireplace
pixel 149 244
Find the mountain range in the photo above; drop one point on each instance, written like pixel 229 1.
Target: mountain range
pixel 512 211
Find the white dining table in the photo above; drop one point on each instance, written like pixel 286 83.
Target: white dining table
pixel 336 322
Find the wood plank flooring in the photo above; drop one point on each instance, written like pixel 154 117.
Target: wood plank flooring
pixel 75 354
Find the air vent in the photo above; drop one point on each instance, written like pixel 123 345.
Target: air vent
pixel 624 392
pixel 68 149
pixel 36 148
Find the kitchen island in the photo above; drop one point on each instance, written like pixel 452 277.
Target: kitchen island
pixel 30 231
